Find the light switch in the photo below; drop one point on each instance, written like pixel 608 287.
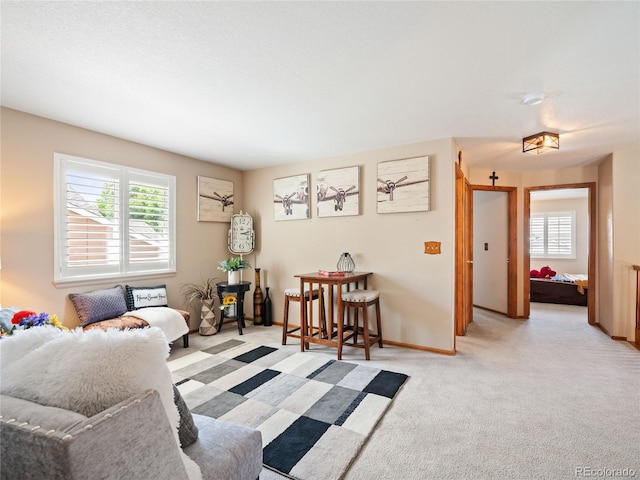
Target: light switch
pixel 432 248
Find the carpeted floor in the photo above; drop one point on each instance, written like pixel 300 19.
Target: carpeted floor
pixel 546 398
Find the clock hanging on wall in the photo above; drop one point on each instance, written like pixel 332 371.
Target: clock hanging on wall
pixel 241 237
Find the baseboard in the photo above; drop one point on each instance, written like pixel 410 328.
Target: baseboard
pixel 612 337
pixel 419 347
pixel 409 345
pixel 498 312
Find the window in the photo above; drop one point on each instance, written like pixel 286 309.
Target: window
pixel 553 235
pixel 111 220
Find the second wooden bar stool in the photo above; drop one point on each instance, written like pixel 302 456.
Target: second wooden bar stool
pixel 362 300
pixel 293 295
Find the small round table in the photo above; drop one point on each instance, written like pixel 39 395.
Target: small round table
pixel 239 289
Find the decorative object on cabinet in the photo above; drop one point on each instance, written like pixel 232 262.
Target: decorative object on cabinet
pixel 229 303
pixel 233 266
pixel 258 298
pixel 241 237
pixel 291 197
pixel 267 309
pixel 346 263
pixel 205 294
pixel 403 185
pixel 215 200
pixel 338 192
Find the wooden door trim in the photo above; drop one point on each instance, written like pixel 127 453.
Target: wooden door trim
pixel 459 255
pixel 591 266
pixel 512 245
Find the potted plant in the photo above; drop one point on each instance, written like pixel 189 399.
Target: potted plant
pixel 233 266
pixel 204 293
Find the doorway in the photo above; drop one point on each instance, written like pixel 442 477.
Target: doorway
pixel 588 238
pixel 490 250
pixel 495 240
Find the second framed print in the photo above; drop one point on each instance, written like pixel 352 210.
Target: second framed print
pixel 291 197
pixel 338 192
pixel 403 185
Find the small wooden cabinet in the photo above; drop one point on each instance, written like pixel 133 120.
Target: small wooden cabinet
pixel 239 289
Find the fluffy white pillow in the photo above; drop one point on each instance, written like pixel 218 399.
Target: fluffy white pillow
pixel 88 371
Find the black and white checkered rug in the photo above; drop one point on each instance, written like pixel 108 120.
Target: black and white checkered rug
pixel 314 414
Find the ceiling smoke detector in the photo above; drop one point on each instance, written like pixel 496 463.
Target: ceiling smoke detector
pixel 533 99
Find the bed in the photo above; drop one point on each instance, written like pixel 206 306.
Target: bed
pixel 566 289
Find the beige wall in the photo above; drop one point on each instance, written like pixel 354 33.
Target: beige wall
pixel 604 285
pixel 28 145
pixel 626 239
pixel 416 289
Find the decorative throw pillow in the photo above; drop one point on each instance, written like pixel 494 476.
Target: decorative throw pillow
pixel 141 297
pixel 89 371
pixel 187 430
pixel 99 305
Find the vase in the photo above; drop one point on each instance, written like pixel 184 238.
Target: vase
pixel 207 318
pixel 346 263
pixel 267 309
pixel 233 277
pixel 230 311
pixel 257 301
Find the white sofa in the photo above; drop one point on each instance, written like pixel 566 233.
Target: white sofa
pixel 129 440
pixel 101 405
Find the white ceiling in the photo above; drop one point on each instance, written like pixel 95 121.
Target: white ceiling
pixel 253 84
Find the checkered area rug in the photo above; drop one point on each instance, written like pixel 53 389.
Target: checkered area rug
pixel 314 414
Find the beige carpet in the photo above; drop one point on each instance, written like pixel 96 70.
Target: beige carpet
pixel 546 398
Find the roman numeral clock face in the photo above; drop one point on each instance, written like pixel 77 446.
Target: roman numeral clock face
pixel 241 235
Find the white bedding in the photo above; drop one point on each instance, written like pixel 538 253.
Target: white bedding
pixel 166 319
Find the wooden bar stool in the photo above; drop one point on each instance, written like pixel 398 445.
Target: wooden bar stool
pixel 293 295
pixel 363 299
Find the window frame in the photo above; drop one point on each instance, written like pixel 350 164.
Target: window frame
pixel 546 216
pixel 125 269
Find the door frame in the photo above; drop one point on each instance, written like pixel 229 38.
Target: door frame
pixel 591 262
pixel 512 244
pixel 463 291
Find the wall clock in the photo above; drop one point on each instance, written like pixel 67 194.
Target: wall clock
pixel 241 237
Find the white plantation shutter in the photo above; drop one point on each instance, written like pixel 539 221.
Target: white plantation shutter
pixel 553 235
pixel 149 215
pixel 536 240
pixel 111 221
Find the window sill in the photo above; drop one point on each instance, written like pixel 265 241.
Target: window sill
pixel 94 280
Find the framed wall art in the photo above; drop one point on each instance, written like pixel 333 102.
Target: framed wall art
pixel 338 192
pixel 291 197
pixel 215 200
pixel 403 185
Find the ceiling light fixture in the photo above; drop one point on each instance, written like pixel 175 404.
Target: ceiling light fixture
pixel 541 142
pixel 533 99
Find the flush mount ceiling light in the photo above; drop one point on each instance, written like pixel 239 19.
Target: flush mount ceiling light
pixel 533 99
pixel 541 142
